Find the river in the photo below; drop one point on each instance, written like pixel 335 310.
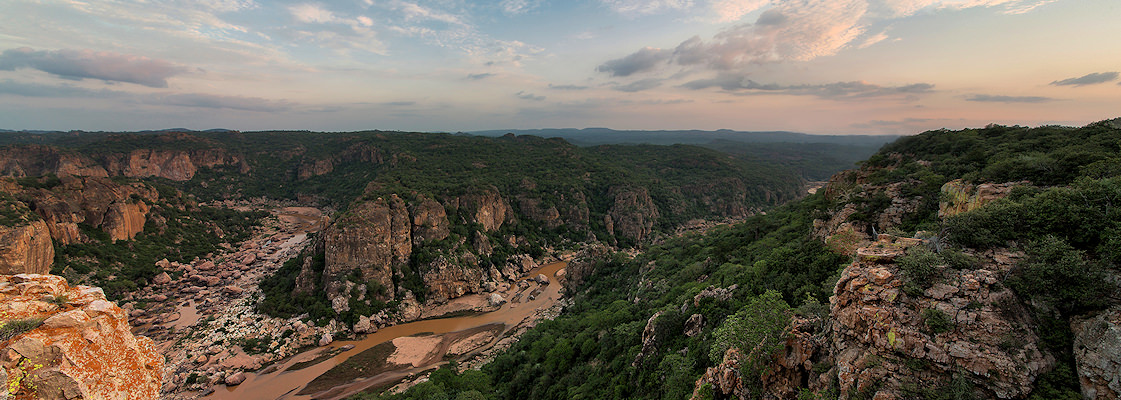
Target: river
pixel 283 384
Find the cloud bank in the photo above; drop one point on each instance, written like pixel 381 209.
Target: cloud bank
pixel 88 64
pixel 790 30
pixel 1089 79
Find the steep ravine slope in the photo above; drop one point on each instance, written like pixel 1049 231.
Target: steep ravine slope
pixel 952 265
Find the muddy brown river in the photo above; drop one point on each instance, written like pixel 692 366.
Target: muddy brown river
pixel 284 384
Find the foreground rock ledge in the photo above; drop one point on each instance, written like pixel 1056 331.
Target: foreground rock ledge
pixel 83 347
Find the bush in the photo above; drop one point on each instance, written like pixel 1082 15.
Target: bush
pixel 758 330
pixel 937 321
pixel 920 265
pixel 13 328
pixel 1058 276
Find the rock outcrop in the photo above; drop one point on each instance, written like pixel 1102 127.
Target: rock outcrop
pixel 372 237
pixel 83 347
pixel 633 213
pixel 583 265
pixel 120 210
pixel 447 279
pixel 177 165
pixel 886 342
pixel 1097 353
pixel 430 220
pixel 36 160
pixel 26 249
pixel 959 197
pixel 486 208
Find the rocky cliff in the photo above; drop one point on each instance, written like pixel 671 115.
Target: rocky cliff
pixel 26 249
pixel 1097 353
pixel 633 213
pixel 486 207
pixel 62 342
pixel 119 209
pixel 373 238
pixel 177 165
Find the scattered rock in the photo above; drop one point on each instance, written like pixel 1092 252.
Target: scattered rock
pixel 495 300
pixel 162 279
pixel 326 339
pixel 235 379
pixel 694 324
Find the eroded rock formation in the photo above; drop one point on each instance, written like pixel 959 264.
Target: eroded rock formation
pixel 120 210
pixel 372 237
pixel 633 213
pixel 26 249
pixel 178 165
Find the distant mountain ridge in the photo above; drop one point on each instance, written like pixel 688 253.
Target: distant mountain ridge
pixel 597 136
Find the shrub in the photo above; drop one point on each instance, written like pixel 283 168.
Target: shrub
pixel 1061 277
pixel 13 328
pixel 937 321
pixel 920 265
pixel 758 330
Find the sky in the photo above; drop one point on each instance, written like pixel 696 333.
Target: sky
pixel 815 66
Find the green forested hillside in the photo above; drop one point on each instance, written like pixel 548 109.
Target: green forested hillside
pixel 1062 218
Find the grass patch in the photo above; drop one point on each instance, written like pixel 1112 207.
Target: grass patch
pixel 13 328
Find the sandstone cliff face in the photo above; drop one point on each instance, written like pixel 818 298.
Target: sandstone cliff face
pixel 373 237
pixel 1097 352
pixel 726 196
pixel 451 278
pixel 633 213
pixel 841 230
pixel 486 208
pixel 82 349
pixel 36 160
pixel 875 322
pixel 583 265
pixel 536 210
pixel 118 209
pixel 359 152
pixel 178 165
pixel 430 221
pixel 26 249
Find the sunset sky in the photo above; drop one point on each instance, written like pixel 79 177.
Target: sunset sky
pixel 815 66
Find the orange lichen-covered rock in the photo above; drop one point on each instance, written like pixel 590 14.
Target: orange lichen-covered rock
pixel 73 344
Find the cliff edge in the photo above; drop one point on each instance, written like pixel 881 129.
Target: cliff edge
pixel 66 342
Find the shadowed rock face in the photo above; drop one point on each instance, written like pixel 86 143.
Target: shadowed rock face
pixel 26 249
pixel 83 349
pixel 430 221
pixel 177 165
pixel 1097 352
pixel 633 214
pixel 120 210
pixel 486 208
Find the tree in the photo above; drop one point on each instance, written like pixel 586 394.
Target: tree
pixel 758 330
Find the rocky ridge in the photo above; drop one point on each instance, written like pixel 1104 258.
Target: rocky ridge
pixel 176 165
